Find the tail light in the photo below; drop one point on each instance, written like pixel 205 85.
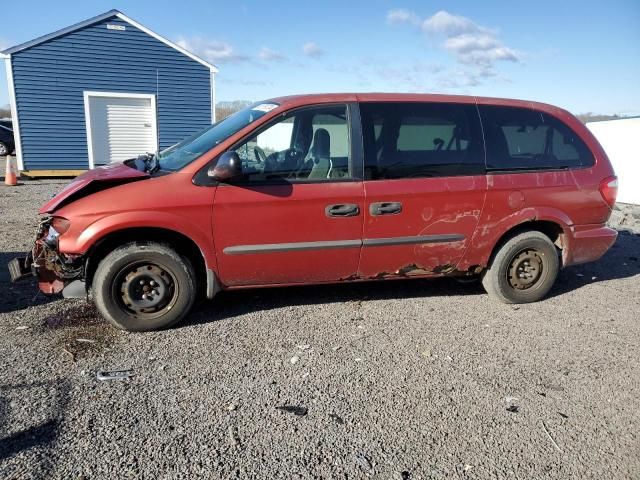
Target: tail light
pixel 609 190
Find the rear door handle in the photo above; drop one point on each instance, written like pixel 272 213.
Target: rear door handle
pixel 385 208
pixel 342 210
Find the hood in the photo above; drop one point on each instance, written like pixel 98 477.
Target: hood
pixel 92 181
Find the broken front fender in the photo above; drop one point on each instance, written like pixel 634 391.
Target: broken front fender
pixel 52 268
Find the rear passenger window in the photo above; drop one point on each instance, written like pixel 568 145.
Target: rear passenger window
pixel 524 139
pixel 405 140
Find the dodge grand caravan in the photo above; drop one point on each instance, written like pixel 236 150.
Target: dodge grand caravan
pixel 332 188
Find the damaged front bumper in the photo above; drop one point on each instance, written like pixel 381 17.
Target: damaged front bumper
pixel 56 271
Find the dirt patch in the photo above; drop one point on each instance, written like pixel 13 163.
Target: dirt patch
pixel 83 332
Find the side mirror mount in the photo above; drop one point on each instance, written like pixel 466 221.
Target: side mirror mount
pixel 227 168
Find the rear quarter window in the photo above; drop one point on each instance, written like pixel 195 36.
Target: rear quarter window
pixel 525 139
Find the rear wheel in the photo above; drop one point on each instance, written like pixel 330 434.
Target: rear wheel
pixel 144 286
pixel 4 149
pixel 524 269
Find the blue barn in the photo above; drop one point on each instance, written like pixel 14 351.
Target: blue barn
pixel 103 90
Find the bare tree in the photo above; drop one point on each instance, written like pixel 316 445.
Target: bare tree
pixel 594 117
pixel 224 109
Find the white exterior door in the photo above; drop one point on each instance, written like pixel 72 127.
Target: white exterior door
pixel 119 126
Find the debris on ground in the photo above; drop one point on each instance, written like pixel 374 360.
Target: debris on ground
pixel 563 415
pixel 549 435
pixel 363 462
pixel 71 354
pixel 85 340
pixel 336 418
pixel 304 347
pixel 404 475
pixel 295 409
pixel 22 327
pixel 232 406
pixel 513 408
pixel 103 375
pixel 233 436
pixel 293 360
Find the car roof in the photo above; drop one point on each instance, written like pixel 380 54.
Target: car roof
pixel 315 98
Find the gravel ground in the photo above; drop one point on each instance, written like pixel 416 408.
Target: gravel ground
pixel 382 380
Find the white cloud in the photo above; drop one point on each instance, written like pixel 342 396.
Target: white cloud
pixel 215 51
pixel 401 15
pixel 472 45
pixel 269 55
pixel 311 49
pixel 448 24
pixel 479 49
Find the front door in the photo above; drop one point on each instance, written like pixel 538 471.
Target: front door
pixel 424 186
pixel 296 215
pixel 119 126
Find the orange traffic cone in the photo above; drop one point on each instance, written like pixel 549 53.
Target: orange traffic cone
pixel 10 177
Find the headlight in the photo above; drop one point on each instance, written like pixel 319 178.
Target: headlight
pixel 60 224
pixel 57 227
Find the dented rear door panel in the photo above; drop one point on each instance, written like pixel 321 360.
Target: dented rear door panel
pixel 438 219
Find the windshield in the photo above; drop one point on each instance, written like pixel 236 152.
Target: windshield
pixel 181 154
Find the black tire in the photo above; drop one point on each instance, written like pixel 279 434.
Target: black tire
pixel 4 149
pixel 143 286
pixel 523 270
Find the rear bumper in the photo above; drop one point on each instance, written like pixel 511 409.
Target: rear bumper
pixel 589 243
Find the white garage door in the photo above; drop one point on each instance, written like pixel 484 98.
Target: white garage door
pixel 119 126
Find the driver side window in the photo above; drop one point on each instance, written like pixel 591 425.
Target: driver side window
pixel 311 144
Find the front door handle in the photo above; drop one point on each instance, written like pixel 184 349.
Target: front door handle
pixel 342 210
pixel 385 208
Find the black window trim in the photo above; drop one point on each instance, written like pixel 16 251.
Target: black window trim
pixel 354 130
pixel 516 170
pixel 481 167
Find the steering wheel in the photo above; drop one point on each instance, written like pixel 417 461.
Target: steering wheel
pixel 259 153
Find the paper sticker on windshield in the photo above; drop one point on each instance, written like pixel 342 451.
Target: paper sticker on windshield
pixel 265 107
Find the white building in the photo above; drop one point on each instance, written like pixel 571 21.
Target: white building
pixel 620 138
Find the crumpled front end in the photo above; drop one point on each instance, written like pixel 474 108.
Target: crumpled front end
pixel 53 269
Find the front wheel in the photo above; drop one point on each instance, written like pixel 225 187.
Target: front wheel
pixel 524 269
pixel 144 286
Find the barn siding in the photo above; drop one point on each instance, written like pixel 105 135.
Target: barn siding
pixel 50 79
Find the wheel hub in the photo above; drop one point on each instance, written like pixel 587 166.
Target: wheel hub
pixel 525 269
pixel 147 289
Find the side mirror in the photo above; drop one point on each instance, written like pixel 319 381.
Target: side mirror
pixel 228 167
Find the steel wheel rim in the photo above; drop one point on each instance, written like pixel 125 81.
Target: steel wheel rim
pixel 526 269
pixel 4 150
pixel 146 290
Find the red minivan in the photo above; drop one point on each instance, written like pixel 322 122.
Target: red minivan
pixel 331 188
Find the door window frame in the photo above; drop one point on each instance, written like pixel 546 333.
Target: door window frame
pixel 356 159
pixel 480 165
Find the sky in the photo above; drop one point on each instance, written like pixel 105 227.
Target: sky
pixel 580 55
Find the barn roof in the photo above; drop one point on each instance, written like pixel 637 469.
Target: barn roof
pixel 98 19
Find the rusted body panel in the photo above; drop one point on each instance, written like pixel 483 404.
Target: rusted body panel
pixel 430 207
pixel 280 234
